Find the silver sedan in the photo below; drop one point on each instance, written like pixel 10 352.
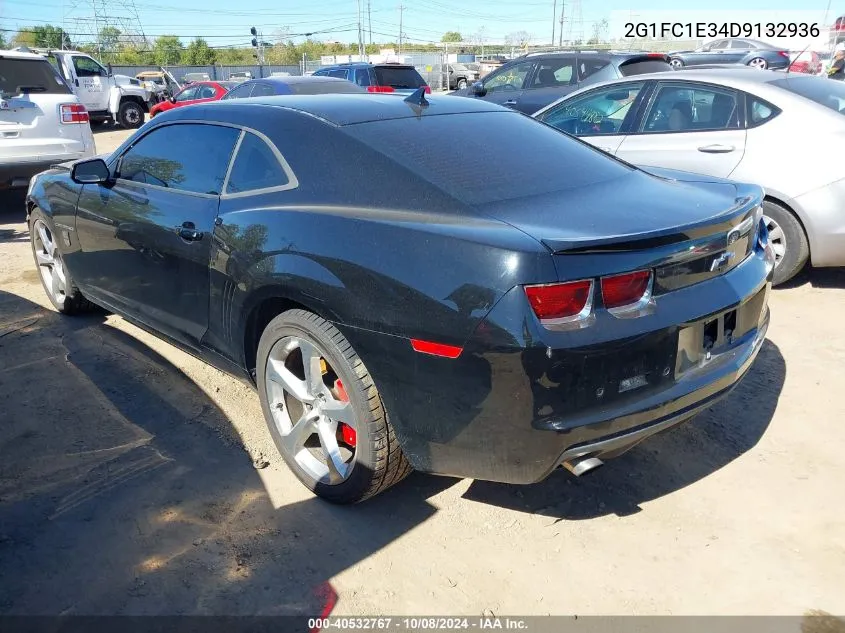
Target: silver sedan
pixel 779 130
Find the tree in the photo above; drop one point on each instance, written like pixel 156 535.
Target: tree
pixel 110 41
pixel 2 41
pixel 49 36
pixel 451 36
pixel 167 50
pixel 199 53
pixel 520 39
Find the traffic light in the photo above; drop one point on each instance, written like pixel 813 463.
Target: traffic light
pixel 253 31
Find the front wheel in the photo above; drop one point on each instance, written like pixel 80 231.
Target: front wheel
pixel 462 83
pixel 676 63
pixel 55 277
pixel 323 411
pixel 130 115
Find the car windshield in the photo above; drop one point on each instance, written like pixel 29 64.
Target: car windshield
pixel 830 94
pixel 459 67
pixel 521 156
pixel 398 77
pixel 29 75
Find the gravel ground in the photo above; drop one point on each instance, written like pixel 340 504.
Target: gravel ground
pixel 127 486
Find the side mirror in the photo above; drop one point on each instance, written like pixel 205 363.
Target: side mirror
pixel 477 89
pixel 91 172
pixel 111 72
pixel 172 99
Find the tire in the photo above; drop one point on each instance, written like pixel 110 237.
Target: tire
pixel 676 63
pixel 462 83
pixel 376 461
pixel 64 295
pixel 792 250
pixel 759 62
pixel 130 116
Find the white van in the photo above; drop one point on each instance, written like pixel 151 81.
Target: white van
pixel 42 122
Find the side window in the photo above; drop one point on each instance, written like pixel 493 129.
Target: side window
pixel 187 94
pixel 759 111
pixel 589 67
pixel 340 73
pixel 719 45
pixel 321 73
pixel 600 112
pixel 256 167
pixel 510 78
pixel 186 157
pixel 362 77
pixel 206 92
pixel 555 72
pixel 241 92
pixel 741 44
pixel 87 67
pixel 262 90
pixel 691 108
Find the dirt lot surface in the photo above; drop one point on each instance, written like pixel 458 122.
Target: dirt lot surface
pixel 127 486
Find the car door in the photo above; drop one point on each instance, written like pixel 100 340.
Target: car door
pixel 205 93
pixel 601 116
pixel 505 86
pixel 736 51
pixel 554 77
pixel 713 53
pixel 90 83
pixel 263 89
pixel 145 239
pixel 186 96
pixel 689 126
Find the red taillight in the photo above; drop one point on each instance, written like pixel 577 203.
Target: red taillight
pixel 560 301
pixel 380 89
pixel 73 113
pixel 624 290
pixel 784 53
pixel 656 55
pixel 428 90
pixel 436 349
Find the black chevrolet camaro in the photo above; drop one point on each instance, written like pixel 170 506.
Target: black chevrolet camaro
pixel 523 303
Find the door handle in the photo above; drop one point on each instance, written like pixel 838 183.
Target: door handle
pixel 716 149
pixel 609 150
pixel 188 232
pixel 510 102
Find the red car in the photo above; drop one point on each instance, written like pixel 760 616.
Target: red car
pixel 198 92
pixel 806 62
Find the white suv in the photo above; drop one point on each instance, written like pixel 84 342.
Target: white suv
pixel 41 121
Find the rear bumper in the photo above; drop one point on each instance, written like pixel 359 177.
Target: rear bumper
pixel 823 214
pixel 16 175
pixel 512 408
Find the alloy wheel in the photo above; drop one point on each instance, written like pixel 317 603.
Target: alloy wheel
pixel 676 63
pixel 311 410
pixel 49 261
pixel 777 238
pixel 759 62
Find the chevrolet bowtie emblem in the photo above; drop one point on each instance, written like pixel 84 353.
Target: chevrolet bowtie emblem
pixel 721 261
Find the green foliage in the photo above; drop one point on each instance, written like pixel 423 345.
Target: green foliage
pixel 167 50
pixel 451 36
pixel 199 53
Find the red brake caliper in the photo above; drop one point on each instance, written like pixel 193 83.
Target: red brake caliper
pixel 347 433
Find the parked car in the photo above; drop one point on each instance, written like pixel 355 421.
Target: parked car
pixel 460 75
pixel 240 76
pixel 532 81
pixel 190 78
pixel 292 86
pixel 733 51
pixel 198 92
pixel 390 77
pixel 157 83
pixel 807 62
pixel 566 318
pixel 733 123
pixel 41 121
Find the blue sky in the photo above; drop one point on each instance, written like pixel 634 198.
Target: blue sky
pixel 225 23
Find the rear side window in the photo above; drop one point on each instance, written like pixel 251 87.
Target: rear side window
pixel 528 157
pixel 589 67
pixel 398 77
pixel 187 157
pixel 263 90
pixel 362 77
pixel 256 167
pixel 640 66
pixel 241 92
pixel 338 73
pixel 759 111
pixel 29 75
pixel 825 92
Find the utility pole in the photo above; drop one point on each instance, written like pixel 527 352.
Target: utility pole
pixel 401 9
pixel 360 34
pixel 554 19
pixel 370 21
pixel 560 35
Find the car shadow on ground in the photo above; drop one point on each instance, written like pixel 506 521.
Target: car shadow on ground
pixel 817 278
pixel 120 494
pixel 661 464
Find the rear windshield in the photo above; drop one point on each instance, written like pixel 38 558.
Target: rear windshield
pixel 504 155
pixel 29 75
pixel 639 66
pixel 398 77
pixel 830 94
pixel 323 87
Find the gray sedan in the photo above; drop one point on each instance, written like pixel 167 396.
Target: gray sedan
pixel 782 131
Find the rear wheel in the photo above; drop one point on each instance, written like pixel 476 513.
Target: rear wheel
pixel 759 62
pixel 130 115
pixel 676 63
pixel 788 240
pixel 462 83
pixel 324 412
pixel 55 277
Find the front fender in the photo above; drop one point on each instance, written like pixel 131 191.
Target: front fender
pixel 114 100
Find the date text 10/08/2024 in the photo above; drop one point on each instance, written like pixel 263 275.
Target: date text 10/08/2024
pixel 417 624
pixel 710 30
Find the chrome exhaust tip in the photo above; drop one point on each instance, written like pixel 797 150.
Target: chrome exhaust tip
pixel 582 465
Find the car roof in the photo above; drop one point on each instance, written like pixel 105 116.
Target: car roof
pixel 368 65
pixel 298 79
pixel 352 108
pixel 20 55
pixel 596 53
